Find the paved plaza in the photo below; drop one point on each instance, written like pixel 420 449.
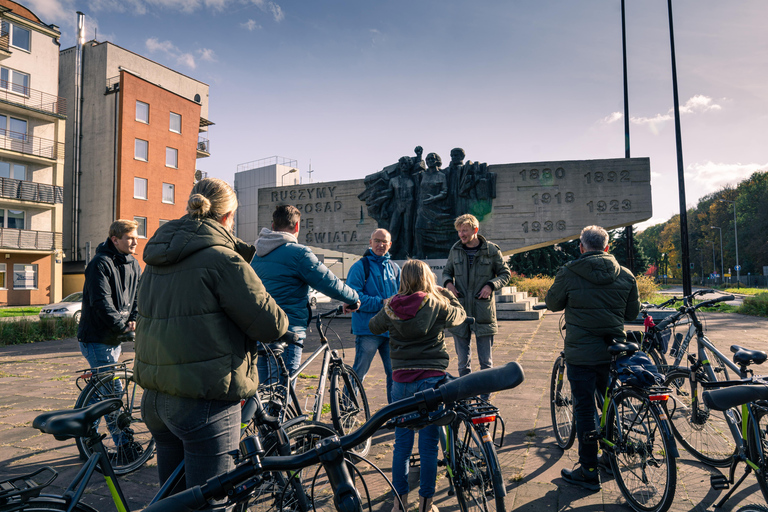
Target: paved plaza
pixel 41 377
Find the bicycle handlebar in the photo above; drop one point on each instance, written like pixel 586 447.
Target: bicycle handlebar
pixel 689 309
pixel 486 381
pixel 734 396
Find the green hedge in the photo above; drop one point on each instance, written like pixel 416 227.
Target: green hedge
pixel 755 306
pixel 15 332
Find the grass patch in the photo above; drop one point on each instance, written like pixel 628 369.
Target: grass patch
pixel 745 291
pixel 326 409
pixel 30 331
pixel 20 311
pixel 755 306
pixel 305 376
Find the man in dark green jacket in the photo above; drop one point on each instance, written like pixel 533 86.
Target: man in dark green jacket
pixel 598 296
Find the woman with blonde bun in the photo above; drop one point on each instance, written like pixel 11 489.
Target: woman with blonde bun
pixel 415 319
pixel 201 310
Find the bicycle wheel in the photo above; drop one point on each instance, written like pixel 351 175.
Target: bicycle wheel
pixel 128 442
pixel 642 459
pixel 561 406
pixel 349 405
pixel 761 417
pixel 51 504
pixel 704 433
pixel 280 491
pixel 272 399
pixel 477 478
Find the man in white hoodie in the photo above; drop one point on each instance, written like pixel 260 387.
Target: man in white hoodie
pixel 288 269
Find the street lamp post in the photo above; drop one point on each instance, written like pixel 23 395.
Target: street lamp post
pixel 714 268
pixel 282 178
pixel 735 241
pixel 722 266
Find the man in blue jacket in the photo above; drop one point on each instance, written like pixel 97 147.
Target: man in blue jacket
pixel 288 269
pixel 375 278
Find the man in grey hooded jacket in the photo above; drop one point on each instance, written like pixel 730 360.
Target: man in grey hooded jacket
pixel 598 296
pixel 288 269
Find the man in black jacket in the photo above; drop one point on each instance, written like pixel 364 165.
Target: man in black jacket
pixel 598 296
pixel 109 307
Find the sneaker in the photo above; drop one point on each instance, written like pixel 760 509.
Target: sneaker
pixel 604 463
pixel 583 477
pixel 126 453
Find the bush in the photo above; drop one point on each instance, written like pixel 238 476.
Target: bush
pixel 755 306
pixel 647 288
pixel 16 332
pixel 536 286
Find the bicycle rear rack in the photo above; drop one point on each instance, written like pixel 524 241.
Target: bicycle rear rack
pixel 482 411
pixel 87 375
pixel 21 488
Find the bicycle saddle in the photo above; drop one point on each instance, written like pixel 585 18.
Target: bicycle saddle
pixel 618 348
pixel 67 424
pixel 745 357
pixel 277 347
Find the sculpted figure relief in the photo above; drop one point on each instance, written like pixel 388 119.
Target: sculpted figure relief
pixel 417 203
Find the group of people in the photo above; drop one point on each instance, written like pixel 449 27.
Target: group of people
pixel 206 298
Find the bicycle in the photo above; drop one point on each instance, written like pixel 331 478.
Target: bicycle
pixel 239 485
pixel 748 427
pixel 348 402
pixel 130 444
pixel 634 433
pixel 561 401
pixel 703 434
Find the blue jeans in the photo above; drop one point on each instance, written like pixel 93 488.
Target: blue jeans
pixel 428 444
pixel 199 432
pixel 267 367
pixel 366 347
pixel 584 381
pixel 99 354
pixel 464 352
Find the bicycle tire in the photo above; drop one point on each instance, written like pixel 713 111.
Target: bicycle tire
pixel 477 478
pixel 703 433
pixel 753 508
pixel 761 417
pixel 642 460
pixel 277 490
pixel 658 359
pixel 348 414
pixel 50 503
pixel 561 406
pixel 128 424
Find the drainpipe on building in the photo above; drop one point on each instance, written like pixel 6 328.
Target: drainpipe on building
pixel 77 136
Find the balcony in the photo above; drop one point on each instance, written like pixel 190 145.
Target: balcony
pixel 31 98
pixel 31 240
pixel 30 145
pixel 203 147
pixel 31 191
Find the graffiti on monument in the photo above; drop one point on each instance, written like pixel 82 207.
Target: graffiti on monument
pixel 417 201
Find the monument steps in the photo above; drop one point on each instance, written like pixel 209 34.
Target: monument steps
pixel 514 305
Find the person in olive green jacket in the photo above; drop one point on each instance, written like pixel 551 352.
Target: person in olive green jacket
pixel 598 296
pixel 201 309
pixel 415 319
pixel 474 270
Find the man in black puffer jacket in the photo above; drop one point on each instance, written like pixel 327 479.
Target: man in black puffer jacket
pixel 598 296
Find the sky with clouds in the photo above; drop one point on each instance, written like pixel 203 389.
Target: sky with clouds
pixel 352 85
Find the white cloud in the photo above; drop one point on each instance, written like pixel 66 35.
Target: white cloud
pixel 710 177
pixel 186 59
pixel 270 7
pixel 695 104
pixel 173 52
pixel 154 45
pixel 207 54
pixel 612 118
pixel 250 25
pixel 699 103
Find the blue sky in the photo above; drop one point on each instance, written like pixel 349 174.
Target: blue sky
pixel 353 85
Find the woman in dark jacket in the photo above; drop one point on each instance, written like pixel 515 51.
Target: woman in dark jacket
pixel 415 319
pixel 201 310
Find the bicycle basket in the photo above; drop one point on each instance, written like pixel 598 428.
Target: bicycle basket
pixel 638 370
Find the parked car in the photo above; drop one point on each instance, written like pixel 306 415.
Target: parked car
pixel 315 297
pixel 69 307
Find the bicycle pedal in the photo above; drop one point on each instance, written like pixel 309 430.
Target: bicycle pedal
pixel 591 436
pixel 719 481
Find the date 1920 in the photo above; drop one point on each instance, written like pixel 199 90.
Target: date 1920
pixel 547 225
pixel 613 205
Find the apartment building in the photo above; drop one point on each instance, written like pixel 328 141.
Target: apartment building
pixel 32 128
pixel 142 128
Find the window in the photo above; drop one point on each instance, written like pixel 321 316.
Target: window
pixel 13 128
pixel 15 81
pixel 142 229
pixel 24 276
pixel 139 188
pixel 172 158
pixel 13 170
pixel 175 123
pixel 3 286
pixel 13 219
pixel 19 36
pixel 168 193
pixel 141 150
pixel 142 112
